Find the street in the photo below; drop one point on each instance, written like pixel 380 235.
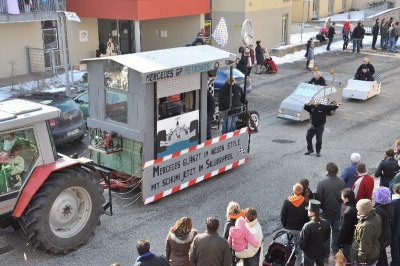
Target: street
pixel 276 162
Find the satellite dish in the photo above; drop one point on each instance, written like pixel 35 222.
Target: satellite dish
pixel 247 32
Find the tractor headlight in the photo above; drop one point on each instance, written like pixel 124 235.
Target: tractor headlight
pixel 298 114
pixel 280 111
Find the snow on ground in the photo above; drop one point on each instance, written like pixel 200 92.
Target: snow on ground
pixel 350 16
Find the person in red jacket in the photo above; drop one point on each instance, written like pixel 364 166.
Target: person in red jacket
pixel 364 184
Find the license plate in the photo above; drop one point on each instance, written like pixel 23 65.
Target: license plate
pixel 288 116
pixel 73 132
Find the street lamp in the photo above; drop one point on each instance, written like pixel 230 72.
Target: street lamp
pixel 302 21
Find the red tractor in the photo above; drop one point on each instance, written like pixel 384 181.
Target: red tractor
pixel 57 200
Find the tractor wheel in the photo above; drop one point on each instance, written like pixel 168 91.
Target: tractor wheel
pixel 64 212
pixel 332 112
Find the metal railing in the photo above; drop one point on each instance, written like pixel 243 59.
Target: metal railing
pixel 31 6
pixel 371 11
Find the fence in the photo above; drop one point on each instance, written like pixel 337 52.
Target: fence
pixel 371 11
pixel 45 60
pixel 33 6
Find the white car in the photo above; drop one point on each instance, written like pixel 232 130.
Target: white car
pixel 361 90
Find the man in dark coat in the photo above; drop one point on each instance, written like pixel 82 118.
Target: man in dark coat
pixel 259 57
pixel 317 79
pixel 394 246
pixel 147 258
pixel 364 74
pixel 294 216
pixel 328 193
pixel 314 235
pixel 318 114
pixel 348 223
pixel 209 248
pixel 331 34
pixel 375 32
pixel 387 168
pixel 229 122
pixel 358 33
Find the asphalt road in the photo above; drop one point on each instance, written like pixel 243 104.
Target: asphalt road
pixel 276 162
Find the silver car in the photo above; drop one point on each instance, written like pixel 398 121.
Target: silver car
pixel 292 107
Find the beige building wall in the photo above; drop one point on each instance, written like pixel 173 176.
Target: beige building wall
pixel 19 36
pixel 179 32
pixel 79 48
pixel 297 10
pixel 266 17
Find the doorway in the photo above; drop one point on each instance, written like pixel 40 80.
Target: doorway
pixel 315 8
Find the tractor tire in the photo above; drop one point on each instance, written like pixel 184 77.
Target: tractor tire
pixel 64 212
pixel 332 112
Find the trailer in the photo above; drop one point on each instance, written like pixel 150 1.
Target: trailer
pixel 361 90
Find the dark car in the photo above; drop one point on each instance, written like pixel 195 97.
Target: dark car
pixel 70 126
pixel 222 74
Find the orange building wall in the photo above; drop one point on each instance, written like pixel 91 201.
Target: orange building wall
pixel 137 9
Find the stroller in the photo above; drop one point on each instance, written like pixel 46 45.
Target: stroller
pixel 279 254
pixel 270 66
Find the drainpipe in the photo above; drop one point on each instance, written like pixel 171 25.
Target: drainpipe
pixel 137 37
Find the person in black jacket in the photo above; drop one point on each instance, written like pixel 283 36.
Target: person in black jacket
pixel 259 57
pixel 318 114
pixel 387 168
pixel 294 215
pixel 331 34
pixel 229 121
pixel 241 64
pixel 317 79
pixel 375 32
pixel 367 62
pixel 383 207
pixel 210 112
pixel 364 74
pixel 146 257
pixel 348 222
pixel 314 235
pixel 233 212
pixel 358 33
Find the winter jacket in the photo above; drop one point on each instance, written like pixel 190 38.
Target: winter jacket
pixel 250 251
pixel 237 98
pixel 387 169
pixel 349 175
pixel 239 236
pixel 149 259
pixel 177 248
pixel 318 113
pixel 321 81
pixel 392 32
pixel 331 32
pixel 384 31
pixel 210 104
pixel 386 213
pixel 231 222
pixel 358 33
pixel 293 213
pixel 394 181
pixel 210 249
pixel 348 223
pixel 259 55
pixel 365 247
pixel 241 65
pixel 363 187
pixel 396 216
pixel 375 29
pixel 371 68
pixel 328 193
pixel 364 76
pixel 313 237
pixel 310 53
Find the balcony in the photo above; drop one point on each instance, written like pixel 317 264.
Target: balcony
pixel 29 10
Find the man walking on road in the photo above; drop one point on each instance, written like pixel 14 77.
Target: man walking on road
pixel 358 33
pixel 328 193
pixel 375 32
pixel 331 34
pixel 318 114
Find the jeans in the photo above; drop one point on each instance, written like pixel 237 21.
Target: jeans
pixel 383 43
pixel 392 44
pixel 395 250
pixel 347 252
pixel 335 225
pixel 356 43
pixel 296 236
pixel 329 44
pixel 314 130
pixel 253 261
pixel 374 38
pixel 229 124
pixel 310 262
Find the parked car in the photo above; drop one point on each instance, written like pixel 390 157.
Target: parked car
pixel 291 108
pixel 82 100
pixel 222 74
pixel 70 126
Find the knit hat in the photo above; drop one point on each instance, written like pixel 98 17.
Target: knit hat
pixel 365 206
pixel 382 195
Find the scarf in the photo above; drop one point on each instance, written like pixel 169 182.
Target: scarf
pixel 236 216
pixel 143 256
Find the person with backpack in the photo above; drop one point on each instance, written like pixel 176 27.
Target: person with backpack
pixel 375 32
pixel 314 235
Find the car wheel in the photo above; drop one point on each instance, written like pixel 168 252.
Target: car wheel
pixel 332 112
